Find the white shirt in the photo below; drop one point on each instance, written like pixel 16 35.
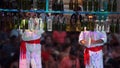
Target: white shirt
pixel 96 35
pixel 31 35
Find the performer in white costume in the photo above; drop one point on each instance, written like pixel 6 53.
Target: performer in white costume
pixel 30 49
pixel 93 41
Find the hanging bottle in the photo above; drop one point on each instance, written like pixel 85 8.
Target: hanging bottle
pixel 30 23
pixel 23 2
pixel 41 23
pixel 102 24
pixel 114 6
pixel 71 4
pixel 61 21
pixel 76 5
pixel 107 27
pixel 45 24
pixel 112 28
pixel 61 5
pixel 38 4
pixel 64 25
pixel 73 21
pixel 85 5
pixel 58 5
pixel 24 24
pixel 117 26
pixel 89 5
pixel 93 5
pixel 78 25
pixel 15 21
pixel 96 23
pixel 53 24
pixel 109 6
pixel 49 23
pixel 96 5
pixel 68 28
pixel 115 22
pixel 55 5
pixel 105 3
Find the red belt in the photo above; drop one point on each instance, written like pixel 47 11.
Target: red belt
pixel 86 54
pixel 23 46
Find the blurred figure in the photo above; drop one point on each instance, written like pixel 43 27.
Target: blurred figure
pixel 30 49
pixel 93 41
pixel 47 49
pixel 70 61
pixel 11 51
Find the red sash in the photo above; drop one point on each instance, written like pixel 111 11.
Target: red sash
pixel 23 47
pixel 86 54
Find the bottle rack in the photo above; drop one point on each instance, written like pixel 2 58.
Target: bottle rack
pixel 64 12
pixel 51 11
pixel 100 13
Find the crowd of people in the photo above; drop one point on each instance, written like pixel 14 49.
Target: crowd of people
pixel 58 48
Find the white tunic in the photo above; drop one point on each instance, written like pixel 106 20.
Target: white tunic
pixel 33 51
pixel 96 58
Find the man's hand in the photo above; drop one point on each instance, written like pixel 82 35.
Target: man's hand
pixel 93 41
pixel 83 42
pixel 96 41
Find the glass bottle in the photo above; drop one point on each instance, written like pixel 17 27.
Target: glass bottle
pixel 117 26
pixel 64 24
pixel 61 5
pixel 49 22
pixel 76 5
pixel 112 29
pixel 68 28
pixel 85 5
pixel 45 24
pixel 71 4
pixel 78 26
pixel 114 6
pixel 89 5
pixel 109 6
pixel 41 23
pixel 105 2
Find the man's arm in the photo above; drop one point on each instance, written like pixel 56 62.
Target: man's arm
pixel 103 38
pixel 81 40
pixel 99 41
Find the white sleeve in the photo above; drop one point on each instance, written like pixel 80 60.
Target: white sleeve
pixel 26 36
pixel 103 36
pixel 80 37
pixel 39 32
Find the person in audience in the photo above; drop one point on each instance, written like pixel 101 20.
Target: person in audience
pixel 70 61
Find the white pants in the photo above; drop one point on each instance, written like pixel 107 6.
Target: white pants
pixel 96 59
pixel 33 57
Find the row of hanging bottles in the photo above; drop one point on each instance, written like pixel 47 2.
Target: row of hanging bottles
pixel 73 23
pixel 76 22
pixel 88 5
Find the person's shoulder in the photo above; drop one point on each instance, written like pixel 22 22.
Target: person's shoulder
pixel 66 58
